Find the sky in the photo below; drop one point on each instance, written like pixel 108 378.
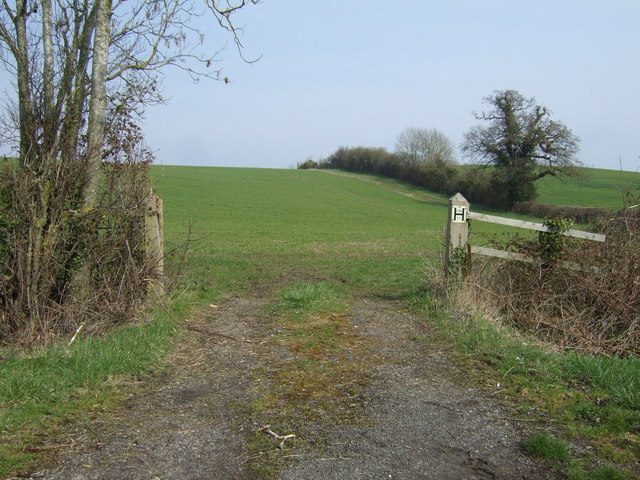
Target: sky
pixel 356 73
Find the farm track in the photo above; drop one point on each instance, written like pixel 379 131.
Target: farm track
pixel 413 415
pixel 423 196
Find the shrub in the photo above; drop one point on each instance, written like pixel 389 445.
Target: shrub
pixel 66 264
pixel 307 164
pixel 592 306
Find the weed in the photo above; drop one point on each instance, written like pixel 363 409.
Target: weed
pixel 552 244
pixel 607 472
pixel 601 472
pixel 618 377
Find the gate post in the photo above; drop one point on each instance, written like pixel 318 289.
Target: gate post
pixel 457 229
pixel 154 233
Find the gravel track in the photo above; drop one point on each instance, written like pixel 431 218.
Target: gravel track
pixel 419 418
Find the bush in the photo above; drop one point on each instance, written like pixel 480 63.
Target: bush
pixel 307 164
pixel 66 264
pixel 592 306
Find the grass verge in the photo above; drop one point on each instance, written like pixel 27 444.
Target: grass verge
pixel 47 388
pixel 590 403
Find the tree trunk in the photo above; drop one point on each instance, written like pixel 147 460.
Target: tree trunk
pixel 48 107
pixel 27 130
pixel 74 85
pixel 97 102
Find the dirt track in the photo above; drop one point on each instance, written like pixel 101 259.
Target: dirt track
pixel 415 417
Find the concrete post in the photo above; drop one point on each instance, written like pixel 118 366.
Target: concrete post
pixel 457 227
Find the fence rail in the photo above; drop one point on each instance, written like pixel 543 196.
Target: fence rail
pixel 458 234
pixel 597 237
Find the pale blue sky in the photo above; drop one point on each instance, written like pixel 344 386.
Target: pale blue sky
pixel 357 72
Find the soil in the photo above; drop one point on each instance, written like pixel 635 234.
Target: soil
pixel 416 416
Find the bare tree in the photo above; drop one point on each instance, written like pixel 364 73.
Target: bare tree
pixel 420 146
pixel 83 68
pixel 521 140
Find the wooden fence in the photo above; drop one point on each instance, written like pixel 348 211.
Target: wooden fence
pixel 458 233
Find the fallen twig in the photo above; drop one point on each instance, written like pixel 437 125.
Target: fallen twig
pixel 267 429
pixel 200 427
pixel 73 339
pixel 514 419
pixel 45 448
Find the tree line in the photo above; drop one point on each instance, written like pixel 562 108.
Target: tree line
pixel 516 144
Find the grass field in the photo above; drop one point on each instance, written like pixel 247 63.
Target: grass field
pixel 592 188
pixel 298 227
pixel 247 222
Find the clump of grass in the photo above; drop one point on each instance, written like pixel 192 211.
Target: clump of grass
pixel 547 447
pixel 618 377
pixel 605 472
pixel 308 296
pixel 11 458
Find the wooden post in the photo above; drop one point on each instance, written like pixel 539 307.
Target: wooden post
pixel 154 232
pixel 457 228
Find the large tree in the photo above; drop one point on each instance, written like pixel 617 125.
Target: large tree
pixel 522 142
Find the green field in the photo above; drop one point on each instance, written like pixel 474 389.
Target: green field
pixel 252 224
pixel 591 188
